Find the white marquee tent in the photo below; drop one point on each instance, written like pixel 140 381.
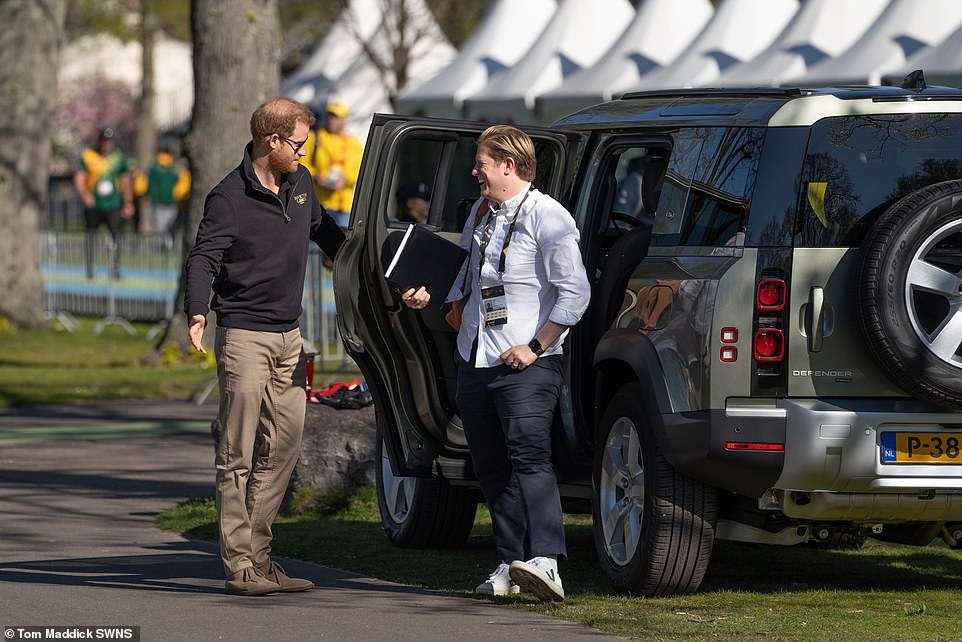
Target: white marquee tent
pixel 902 30
pixel 822 29
pixel 738 31
pixel 367 90
pixel 507 31
pixel 942 64
pixel 314 79
pixel 660 31
pixel 579 33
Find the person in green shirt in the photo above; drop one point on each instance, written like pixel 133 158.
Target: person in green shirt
pixel 162 178
pixel 103 182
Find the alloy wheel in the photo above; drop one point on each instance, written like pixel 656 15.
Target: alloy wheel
pixel 398 491
pixel 621 491
pixel 933 295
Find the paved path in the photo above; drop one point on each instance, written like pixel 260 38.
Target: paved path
pixel 79 487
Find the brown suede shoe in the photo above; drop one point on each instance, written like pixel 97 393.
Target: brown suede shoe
pixel 273 572
pixel 250 581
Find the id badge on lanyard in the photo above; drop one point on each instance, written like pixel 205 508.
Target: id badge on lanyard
pixel 493 300
pixel 495 305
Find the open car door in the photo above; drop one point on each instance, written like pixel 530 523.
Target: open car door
pixel 407 356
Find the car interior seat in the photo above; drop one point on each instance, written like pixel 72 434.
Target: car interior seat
pixel 630 248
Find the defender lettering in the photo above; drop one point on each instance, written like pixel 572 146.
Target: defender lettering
pixel 823 373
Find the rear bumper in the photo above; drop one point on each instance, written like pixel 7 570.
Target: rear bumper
pixel 831 466
pixel 836 446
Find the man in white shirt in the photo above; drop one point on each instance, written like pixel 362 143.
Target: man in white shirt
pixel 527 286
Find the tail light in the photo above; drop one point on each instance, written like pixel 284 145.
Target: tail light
pixel 769 345
pixel 728 352
pixel 768 340
pixel 770 295
pixel 754 445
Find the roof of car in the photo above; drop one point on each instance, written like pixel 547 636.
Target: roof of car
pixel 763 106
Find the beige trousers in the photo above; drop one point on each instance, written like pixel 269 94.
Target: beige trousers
pixel 257 395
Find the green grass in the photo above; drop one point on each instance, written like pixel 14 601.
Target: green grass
pixel 53 366
pixel 881 592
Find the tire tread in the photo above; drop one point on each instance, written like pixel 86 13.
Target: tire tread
pixel 870 299
pixel 441 514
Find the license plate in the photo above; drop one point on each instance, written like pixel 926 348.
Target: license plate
pixel 922 447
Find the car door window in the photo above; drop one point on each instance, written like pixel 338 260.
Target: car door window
pixel 413 181
pixel 440 170
pixel 707 188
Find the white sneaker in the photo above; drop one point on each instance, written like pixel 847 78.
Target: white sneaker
pixel 540 576
pixel 499 583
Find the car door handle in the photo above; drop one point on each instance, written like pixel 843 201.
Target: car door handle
pixel 816 306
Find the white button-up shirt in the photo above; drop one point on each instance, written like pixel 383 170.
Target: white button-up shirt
pixel 544 277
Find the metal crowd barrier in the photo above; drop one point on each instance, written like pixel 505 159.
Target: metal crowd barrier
pixel 136 278
pixel 132 279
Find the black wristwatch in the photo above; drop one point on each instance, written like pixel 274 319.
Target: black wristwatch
pixel 535 346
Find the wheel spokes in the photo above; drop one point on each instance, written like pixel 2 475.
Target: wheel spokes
pixel 615 532
pixel 398 491
pixel 931 278
pixel 613 467
pixel 622 491
pixel 945 341
pixel 633 519
pixel 632 460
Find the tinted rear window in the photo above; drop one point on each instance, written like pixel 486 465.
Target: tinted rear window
pixel 857 166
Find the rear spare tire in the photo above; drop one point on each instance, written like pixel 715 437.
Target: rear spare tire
pixel 909 293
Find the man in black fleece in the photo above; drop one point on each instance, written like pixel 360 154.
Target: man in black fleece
pixel 251 249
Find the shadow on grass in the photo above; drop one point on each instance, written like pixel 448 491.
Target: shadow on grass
pixel 876 567
pixel 361 546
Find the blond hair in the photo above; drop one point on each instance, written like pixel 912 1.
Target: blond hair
pixel 279 116
pixel 505 141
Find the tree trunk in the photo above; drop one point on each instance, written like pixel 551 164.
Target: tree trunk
pixel 30 43
pixel 146 134
pixel 236 68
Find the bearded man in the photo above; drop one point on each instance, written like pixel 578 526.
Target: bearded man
pixel 251 250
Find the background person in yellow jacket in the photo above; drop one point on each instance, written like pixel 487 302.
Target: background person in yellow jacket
pixel 163 177
pixel 104 184
pixel 334 159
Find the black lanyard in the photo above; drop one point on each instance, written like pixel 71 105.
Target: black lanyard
pixel 486 236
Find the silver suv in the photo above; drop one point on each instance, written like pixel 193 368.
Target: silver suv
pixel 772 350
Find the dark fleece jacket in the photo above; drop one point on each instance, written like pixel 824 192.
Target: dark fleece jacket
pixel 252 248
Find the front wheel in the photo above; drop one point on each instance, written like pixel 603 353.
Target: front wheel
pixel 653 527
pixel 422 512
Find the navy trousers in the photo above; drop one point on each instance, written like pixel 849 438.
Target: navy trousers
pixel 507 417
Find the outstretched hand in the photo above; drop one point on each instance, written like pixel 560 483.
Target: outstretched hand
pixel 196 332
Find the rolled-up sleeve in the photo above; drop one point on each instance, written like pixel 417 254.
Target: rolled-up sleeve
pixel 558 239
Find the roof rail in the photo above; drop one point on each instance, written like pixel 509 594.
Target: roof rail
pixel 721 92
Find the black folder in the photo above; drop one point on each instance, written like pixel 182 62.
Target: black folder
pixel 428 259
